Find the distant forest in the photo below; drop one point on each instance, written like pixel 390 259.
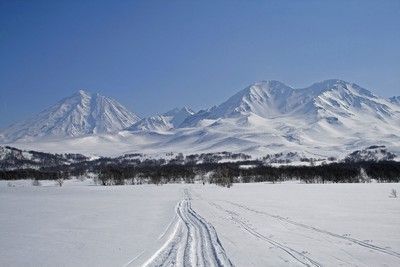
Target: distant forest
pixel 157 171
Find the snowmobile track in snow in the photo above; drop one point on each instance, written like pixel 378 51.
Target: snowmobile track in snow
pixel 296 255
pixel 193 241
pixel 312 228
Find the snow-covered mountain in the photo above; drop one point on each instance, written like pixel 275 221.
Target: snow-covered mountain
pixel 395 100
pixel 330 100
pixel 81 114
pixel 179 115
pixel 157 123
pixel 329 118
pixel 165 122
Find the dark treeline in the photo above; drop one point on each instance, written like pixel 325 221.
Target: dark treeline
pixel 32 174
pixel 13 158
pixel 154 171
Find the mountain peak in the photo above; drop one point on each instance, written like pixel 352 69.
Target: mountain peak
pixel 187 109
pixel 271 98
pixel 167 121
pixel 181 116
pixel 83 93
pixel 329 84
pixel 334 82
pixel 343 86
pixel 266 85
pixel 175 111
pixel 395 100
pixel 263 98
pixel 80 114
pixel 272 83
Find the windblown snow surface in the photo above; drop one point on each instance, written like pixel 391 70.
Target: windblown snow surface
pixel 288 224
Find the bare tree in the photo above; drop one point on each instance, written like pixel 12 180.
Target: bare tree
pixel 393 193
pixel 60 182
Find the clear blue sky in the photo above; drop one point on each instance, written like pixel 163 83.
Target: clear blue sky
pixel 155 55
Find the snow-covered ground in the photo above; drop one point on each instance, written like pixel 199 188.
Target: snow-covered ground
pixel 82 225
pixel 286 224
pixel 299 224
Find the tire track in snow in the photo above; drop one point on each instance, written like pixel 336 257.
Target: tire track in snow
pixel 296 255
pixel 315 229
pixel 193 242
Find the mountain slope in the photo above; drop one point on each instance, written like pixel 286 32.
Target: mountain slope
pixel 329 118
pixel 179 115
pixel 395 100
pixel 167 121
pixel 153 123
pixel 327 100
pixel 81 114
pixel 326 117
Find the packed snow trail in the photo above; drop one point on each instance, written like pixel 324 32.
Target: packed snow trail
pixel 193 242
pixel 312 228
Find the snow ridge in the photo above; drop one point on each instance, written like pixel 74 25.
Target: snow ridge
pixel 395 100
pixel 81 114
pixel 165 122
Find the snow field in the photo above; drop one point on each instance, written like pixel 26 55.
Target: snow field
pixel 82 225
pixel 304 225
pixel 288 224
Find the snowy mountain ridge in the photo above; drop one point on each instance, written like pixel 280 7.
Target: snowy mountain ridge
pixel 395 100
pixel 81 114
pixel 165 122
pixel 329 118
pixel 269 99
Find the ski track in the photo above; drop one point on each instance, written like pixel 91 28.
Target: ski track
pixel 315 229
pixel 194 242
pixel 167 228
pixel 133 259
pixel 296 255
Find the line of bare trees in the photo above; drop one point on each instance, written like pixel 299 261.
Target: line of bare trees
pixel 157 172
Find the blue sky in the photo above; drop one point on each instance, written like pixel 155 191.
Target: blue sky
pixel 155 55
